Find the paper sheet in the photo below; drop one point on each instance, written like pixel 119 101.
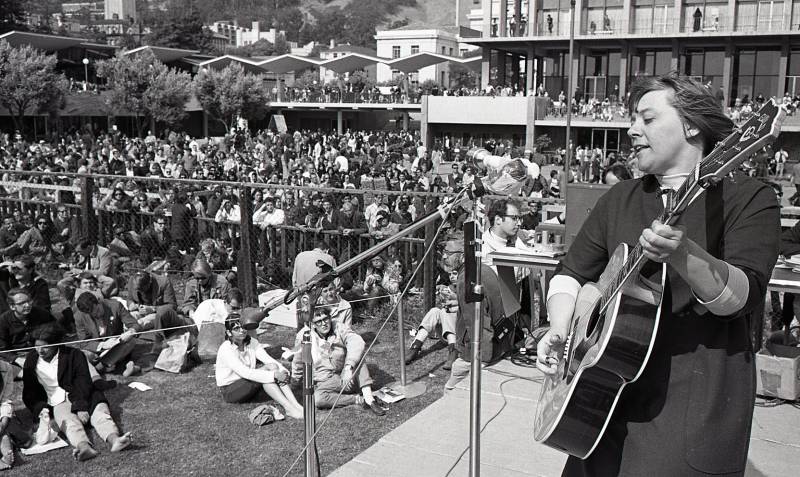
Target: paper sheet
pixel 139 386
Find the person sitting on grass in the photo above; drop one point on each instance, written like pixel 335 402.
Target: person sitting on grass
pixel 444 316
pixel 238 378
pixel 56 377
pixel 102 318
pixel 336 351
pixel 150 297
pixel 7 394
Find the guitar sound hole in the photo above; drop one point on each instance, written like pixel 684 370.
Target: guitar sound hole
pixel 594 320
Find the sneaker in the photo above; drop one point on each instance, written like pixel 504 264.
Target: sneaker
pixel 376 408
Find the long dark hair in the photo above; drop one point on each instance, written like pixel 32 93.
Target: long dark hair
pixel 695 104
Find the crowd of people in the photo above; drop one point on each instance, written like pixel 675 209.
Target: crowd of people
pixel 112 291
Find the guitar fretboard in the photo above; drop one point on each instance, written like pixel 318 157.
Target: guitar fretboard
pixel 726 156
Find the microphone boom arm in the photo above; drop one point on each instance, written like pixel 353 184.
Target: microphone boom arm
pixel 325 277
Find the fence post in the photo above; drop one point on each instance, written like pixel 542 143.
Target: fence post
pixel 246 271
pixel 429 269
pixel 89 219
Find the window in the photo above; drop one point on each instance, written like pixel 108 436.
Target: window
pixel 756 73
pixel 604 17
pixel 704 64
pixel 462 52
pixel 395 52
pixel 653 16
pixel 443 50
pixel 414 49
pixel 704 15
pixel 451 52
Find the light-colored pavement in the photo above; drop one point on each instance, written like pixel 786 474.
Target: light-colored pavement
pixel 435 442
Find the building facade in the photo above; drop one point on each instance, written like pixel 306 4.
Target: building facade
pixel 238 36
pixel 741 50
pixel 120 10
pixel 406 41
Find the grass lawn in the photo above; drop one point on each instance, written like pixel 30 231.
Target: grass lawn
pixel 182 426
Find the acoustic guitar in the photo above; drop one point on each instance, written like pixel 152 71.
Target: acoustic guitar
pixel 614 326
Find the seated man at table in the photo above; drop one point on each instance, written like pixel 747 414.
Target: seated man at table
pixel 57 377
pixel 336 350
pixel 101 318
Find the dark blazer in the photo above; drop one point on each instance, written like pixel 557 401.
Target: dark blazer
pixel 114 316
pixel 73 377
pixel 493 317
pixel 160 293
pixel 15 334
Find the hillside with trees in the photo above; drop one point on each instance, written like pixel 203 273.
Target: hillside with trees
pixel 346 21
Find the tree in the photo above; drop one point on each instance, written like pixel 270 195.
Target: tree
pixel 230 93
pixel 462 77
pixel 180 30
pixel 543 143
pixel 29 82
pixel 143 86
pixel 12 15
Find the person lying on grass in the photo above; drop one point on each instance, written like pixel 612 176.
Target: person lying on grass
pixel 56 377
pixel 238 378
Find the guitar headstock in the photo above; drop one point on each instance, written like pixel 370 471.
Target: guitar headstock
pixel 761 129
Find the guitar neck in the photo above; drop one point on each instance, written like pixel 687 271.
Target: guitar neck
pixel 636 259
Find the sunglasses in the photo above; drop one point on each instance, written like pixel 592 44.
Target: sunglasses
pixel 320 321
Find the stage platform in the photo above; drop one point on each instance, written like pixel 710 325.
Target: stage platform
pixel 435 442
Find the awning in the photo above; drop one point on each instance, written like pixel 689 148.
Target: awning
pixel 351 62
pixel 286 63
pixel 418 61
pixel 165 55
pixel 223 61
pixel 41 42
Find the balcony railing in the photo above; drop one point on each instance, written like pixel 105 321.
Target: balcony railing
pixel 761 24
pixel 602 28
pixel 374 96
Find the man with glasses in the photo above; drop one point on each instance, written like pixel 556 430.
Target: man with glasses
pixel 203 285
pixel 17 323
pixel 156 240
pixel 336 351
pixel 35 241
